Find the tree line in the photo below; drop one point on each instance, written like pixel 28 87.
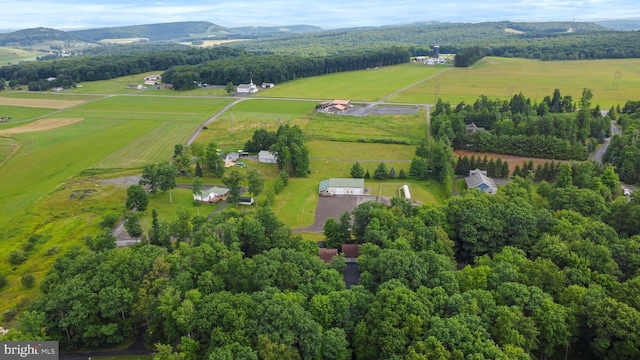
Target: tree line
pixel 556 128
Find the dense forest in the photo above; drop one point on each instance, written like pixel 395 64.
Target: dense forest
pixel 523 274
pixel 624 150
pixel 557 128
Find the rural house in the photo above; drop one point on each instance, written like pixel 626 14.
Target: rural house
pixel 268 85
pixel 213 195
pixel 231 159
pixel 335 106
pixel 267 157
pixel 327 255
pixel 247 88
pixel 152 79
pixel 341 186
pixel 472 128
pixel 478 179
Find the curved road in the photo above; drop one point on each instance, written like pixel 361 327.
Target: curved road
pixel 599 153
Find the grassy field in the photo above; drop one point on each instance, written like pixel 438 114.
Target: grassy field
pixel 363 85
pixel 232 130
pixel 56 223
pixel 504 77
pixel 10 56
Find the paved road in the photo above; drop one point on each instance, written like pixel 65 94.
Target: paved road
pixel 599 153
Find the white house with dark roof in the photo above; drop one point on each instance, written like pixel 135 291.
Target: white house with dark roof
pixel 341 186
pixel 212 195
pixel 267 157
pixel 478 179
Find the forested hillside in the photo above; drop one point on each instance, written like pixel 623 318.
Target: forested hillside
pixel 153 32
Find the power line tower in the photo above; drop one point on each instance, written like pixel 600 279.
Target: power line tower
pixel 616 79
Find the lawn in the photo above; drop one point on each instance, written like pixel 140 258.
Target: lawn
pixel 408 128
pixel 504 77
pixel 362 85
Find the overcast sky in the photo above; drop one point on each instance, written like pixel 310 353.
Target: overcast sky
pixel 79 14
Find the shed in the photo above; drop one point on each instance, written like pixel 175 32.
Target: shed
pixel 245 200
pixel 267 157
pixel 341 186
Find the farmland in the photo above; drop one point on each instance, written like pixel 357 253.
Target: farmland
pixel 12 55
pixel 505 77
pixel 123 129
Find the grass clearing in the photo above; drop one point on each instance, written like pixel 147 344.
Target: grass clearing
pixel 9 55
pixel 355 151
pixel 504 77
pixel 363 85
pixel 57 223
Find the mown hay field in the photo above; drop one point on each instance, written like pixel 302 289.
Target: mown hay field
pixel 504 77
pixel 59 103
pixel 362 85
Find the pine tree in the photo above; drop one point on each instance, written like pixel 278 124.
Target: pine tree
pixel 402 174
pixel 392 173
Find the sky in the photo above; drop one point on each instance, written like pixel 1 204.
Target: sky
pixel 327 14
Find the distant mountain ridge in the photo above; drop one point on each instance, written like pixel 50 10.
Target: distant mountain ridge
pixel 621 24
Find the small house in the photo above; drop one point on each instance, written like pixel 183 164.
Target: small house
pixel 351 251
pixel 472 128
pixel 212 195
pixel 230 159
pixel 327 255
pixel 478 179
pixel 267 157
pixel 268 85
pixel 341 186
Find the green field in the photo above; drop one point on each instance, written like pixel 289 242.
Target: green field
pixel 363 85
pixel 10 56
pixel 504 77
pixel 232 129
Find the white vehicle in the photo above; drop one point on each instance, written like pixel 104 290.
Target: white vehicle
pixel 626 192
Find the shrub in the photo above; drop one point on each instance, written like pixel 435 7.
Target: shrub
pixel 28 280
pixel 3 281
pixel 109 221
pixel 17 257
pixel 28 246
pixel 52 250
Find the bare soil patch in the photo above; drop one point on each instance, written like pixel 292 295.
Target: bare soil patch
pixel 39 103
pixel 40 125
pixel 511 159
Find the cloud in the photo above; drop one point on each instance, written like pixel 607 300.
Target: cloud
pixel 329 13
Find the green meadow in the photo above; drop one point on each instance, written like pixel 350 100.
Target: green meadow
pixel 20 115
pixel 504 77
pixel 231 130
pixel 10 55
pixel 362 85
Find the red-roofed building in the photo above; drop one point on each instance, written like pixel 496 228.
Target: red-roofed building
pixel 351 250
pixel 327 254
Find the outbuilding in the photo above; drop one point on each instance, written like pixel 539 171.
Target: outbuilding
pixel 212 195
pixel 341 186
pixel 267 157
